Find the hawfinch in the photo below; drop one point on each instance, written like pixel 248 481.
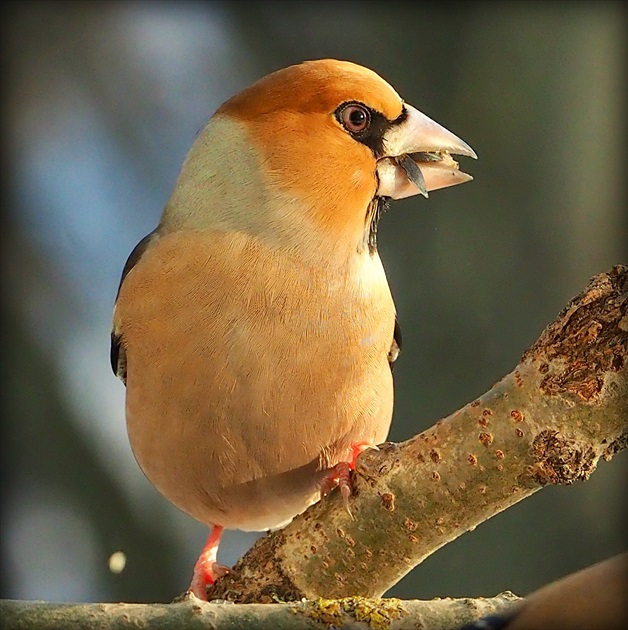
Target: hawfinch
pixel 254 327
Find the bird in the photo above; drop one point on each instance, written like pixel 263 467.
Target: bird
pixel 254 327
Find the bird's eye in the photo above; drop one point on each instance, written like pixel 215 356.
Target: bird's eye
pixel 355 118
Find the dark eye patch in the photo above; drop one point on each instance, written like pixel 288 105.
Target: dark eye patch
pixel 373 135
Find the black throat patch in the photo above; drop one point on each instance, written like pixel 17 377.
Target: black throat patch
pixel 376 207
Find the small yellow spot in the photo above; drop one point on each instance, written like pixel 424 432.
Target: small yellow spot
pixel 117 562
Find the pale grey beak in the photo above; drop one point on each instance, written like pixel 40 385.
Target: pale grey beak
pixel 417 158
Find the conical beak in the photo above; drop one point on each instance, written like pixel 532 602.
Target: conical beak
pixel 417 157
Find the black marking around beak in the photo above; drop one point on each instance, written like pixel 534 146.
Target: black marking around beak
pixel 413 172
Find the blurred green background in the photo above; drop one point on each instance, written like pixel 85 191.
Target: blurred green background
pixel 101 101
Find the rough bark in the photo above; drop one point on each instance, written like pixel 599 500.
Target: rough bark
pixel 347 614
pixel 549 421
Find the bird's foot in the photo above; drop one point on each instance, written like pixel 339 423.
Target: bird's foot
pixel 340 475
pixel 205 574
pixel 206 569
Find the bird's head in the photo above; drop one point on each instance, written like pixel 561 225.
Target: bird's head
pixel 315 148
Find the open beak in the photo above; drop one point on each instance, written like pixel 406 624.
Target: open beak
pixel 418 158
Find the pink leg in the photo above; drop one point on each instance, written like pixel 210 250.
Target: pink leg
pixel 340 474
pixel 206 569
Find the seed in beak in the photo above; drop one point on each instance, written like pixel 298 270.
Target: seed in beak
pixel 413 172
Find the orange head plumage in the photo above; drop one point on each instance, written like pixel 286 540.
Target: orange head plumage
pixel 306 154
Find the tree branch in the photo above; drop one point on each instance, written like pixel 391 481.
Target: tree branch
pixel 349 614
pixel 548 422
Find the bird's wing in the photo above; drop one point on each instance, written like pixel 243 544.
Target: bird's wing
pixel 118 353
pixel 395 347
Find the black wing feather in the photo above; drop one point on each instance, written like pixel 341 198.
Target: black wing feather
pixel 395 347
pixel 118 354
